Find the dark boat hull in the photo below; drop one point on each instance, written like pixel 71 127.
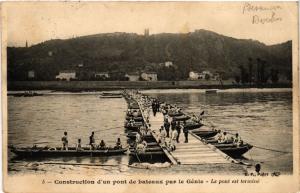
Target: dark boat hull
pixel 181 118
pixel 25 94
pixel 232 150
pixel 205 134
pixel 175 114
pixel 212 91
pixel 149 157
pixel 236 151
pixel 28 152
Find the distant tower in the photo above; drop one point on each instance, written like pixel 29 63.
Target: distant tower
pixel 146 32
pixel 26 45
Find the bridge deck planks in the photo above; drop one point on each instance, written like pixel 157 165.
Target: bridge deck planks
pixel 193 152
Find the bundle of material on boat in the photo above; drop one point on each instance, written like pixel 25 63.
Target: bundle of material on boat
pixel 135 126
pixel 139 118
pixel 134 113
pixel 59 152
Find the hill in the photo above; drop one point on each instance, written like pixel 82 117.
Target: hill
pixel 129 52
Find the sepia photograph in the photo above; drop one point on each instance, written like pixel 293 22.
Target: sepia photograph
pixel 100 95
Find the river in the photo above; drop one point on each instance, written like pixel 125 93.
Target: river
pixel 262 117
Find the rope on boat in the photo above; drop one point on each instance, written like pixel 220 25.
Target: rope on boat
pixel 272 149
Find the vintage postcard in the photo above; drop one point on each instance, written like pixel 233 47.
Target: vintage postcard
pixel 150 96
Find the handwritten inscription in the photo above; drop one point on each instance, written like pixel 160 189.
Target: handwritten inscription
pixel 262 14
pixel 248 7
pixel 256 19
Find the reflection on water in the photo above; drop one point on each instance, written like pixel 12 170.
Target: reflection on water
pixel 263 119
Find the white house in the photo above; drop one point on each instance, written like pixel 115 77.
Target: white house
pixel 194 75
pixel 103 75
pixel 133 76
pixel 31 74
pixel 149 76
pixel 203 75
pixel 168 64
pixel 66 75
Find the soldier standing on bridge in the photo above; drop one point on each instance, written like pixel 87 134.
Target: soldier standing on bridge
pixel 178 129
pixel 186 132
pixel 154 108
pixel 167 126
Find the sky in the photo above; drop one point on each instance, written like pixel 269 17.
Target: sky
pixel 270 23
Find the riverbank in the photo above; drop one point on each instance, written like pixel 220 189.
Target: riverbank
pixel 114 85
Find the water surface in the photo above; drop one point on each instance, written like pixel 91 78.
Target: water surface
pixel 263 119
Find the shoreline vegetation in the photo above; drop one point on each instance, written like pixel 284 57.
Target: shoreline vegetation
pixel 78 86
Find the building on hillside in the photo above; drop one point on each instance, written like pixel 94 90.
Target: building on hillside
pixel 204 75
pixel 31 74
pixel 149 76
pixel 66 75
pixel 193 75
pixel 101 75
pixel 168 64
pixel 133 76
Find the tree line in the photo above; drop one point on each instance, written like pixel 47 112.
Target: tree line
pixel 256 73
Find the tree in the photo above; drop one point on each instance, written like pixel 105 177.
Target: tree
pixel 263 78
pixel 207 77
pixel 250 68
pixel 274 75
pixel 258 77
pixel 237 79
pixel 243 74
